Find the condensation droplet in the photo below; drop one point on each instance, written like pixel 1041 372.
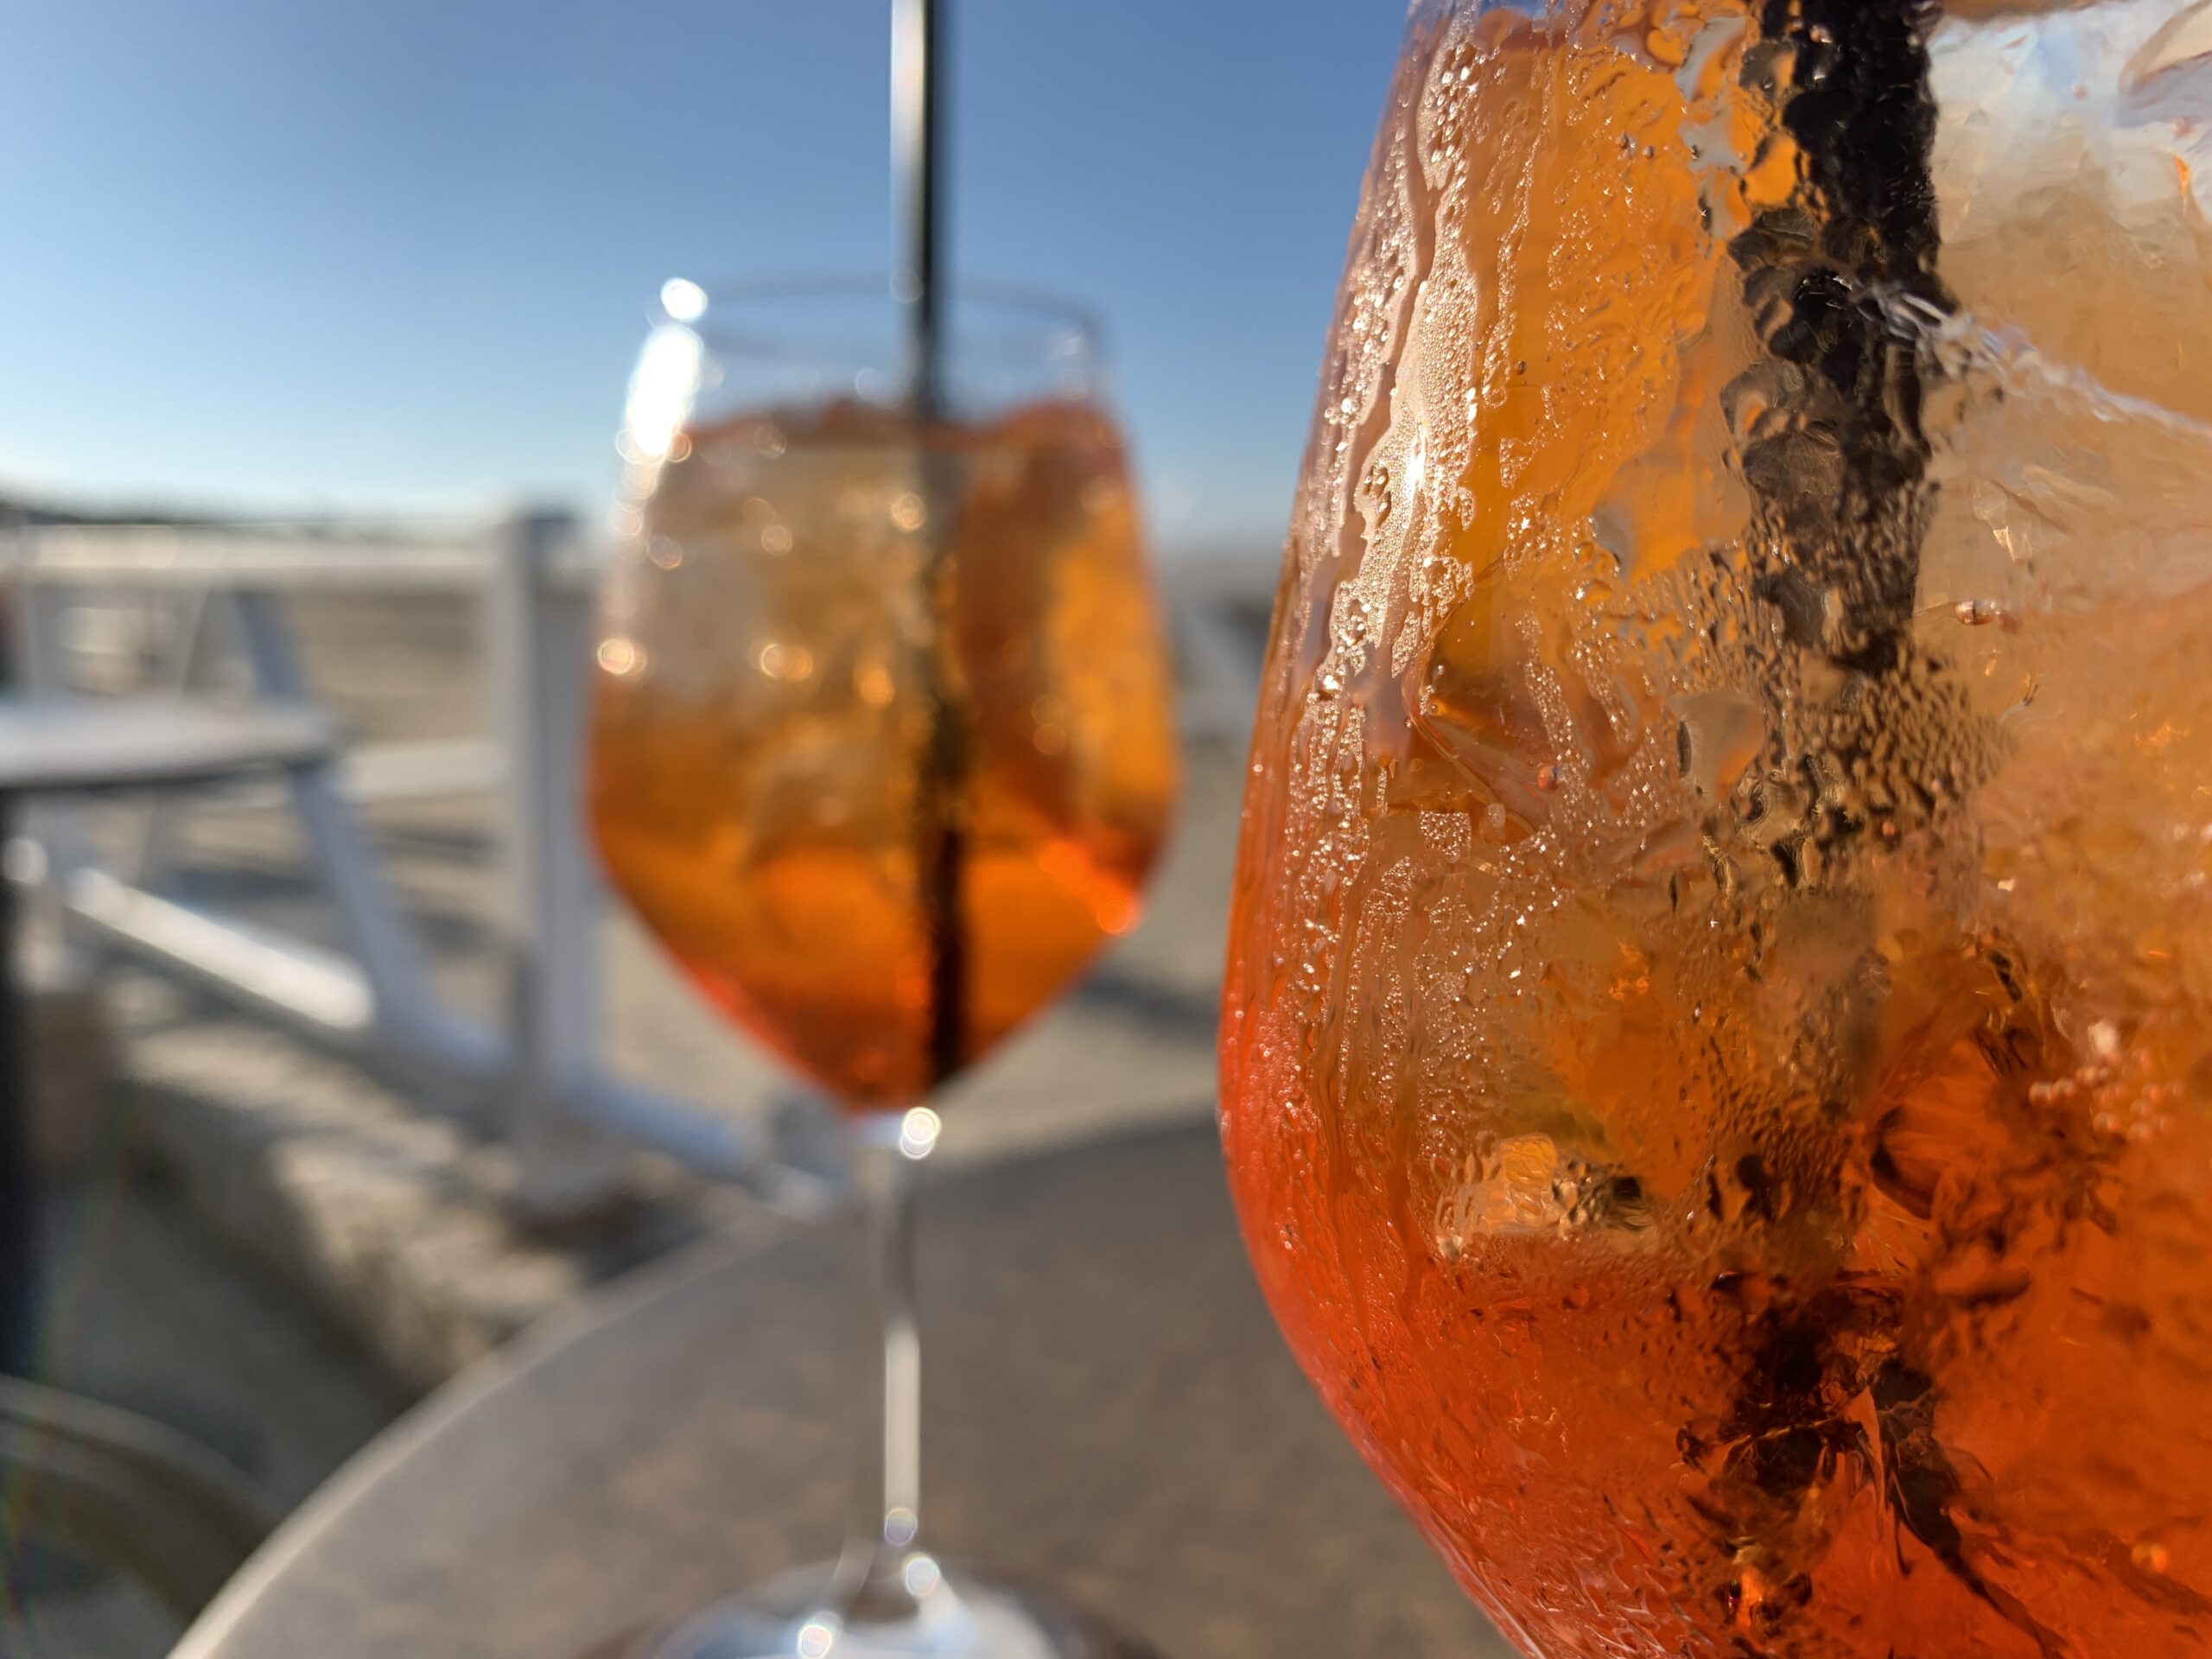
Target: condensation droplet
pixel 1978 613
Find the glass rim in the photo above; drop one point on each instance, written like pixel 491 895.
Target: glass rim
pixel 1059 326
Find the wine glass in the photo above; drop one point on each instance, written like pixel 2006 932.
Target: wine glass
pixel 1716 1050
pixel 882 751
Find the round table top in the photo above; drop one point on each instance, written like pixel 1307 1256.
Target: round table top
pixel 1109 1410
pixel 57 745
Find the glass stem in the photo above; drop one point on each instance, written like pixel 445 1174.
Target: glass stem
pixel 883 1578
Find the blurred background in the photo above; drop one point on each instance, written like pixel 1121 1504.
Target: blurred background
pixel 292 258
pixel 319 321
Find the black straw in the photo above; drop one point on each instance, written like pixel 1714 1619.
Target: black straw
pixel 917 156
pixel 917 139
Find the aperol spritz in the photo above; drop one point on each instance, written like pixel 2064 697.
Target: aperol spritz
pixel 1718 1046
pixel 882 750
pixel 765 724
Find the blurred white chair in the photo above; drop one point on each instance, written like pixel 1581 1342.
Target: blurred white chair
pixel 531 577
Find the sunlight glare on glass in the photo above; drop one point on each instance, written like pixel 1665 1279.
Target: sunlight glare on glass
pixel 816 1638
pixel 683 299
pixel 917 1133
pixel 660 393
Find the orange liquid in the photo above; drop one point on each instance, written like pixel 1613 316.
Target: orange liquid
pixel 762 726
pixel 1721 1109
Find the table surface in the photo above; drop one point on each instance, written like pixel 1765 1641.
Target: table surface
pixel 63 744
pixel 70 745
pixel 1108 1409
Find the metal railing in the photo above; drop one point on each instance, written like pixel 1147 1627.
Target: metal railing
pixel 540 1079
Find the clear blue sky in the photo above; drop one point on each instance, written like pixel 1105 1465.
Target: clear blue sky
pixel 284 254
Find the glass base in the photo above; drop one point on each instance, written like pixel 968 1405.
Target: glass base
pixel 962 1615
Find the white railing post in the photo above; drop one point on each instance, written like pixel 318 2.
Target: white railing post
pixel 540 633
pixel 376 933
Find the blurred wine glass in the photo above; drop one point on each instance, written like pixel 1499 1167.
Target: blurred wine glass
pixel 882 754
